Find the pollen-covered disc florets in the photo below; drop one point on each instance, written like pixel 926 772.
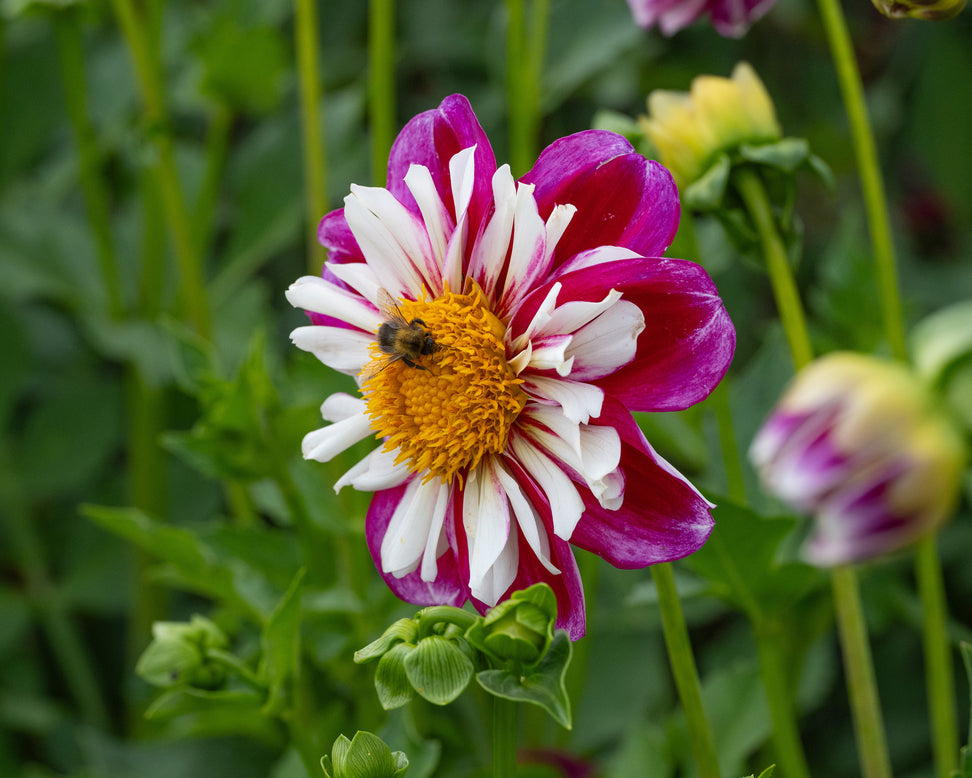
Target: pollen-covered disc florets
pixel 454 406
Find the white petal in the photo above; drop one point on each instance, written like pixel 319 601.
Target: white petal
pixel 358 276
pixel 526 517
pixel 550 353
pixel 502 573
pixel 486 519
pixel 462 173
pixel 325 443
pixel 608 342
pixel 341 405
pixel 375 472
pixel 341 349
pixel 436 543
pixel 392 240
pixel 573 315
pixel 540 317
pixel 522 359
pixel 594 257
pixel 313 293
pixel 489 253
pixel 528 258
pixel 580 402
pixel 556 226
pixel 566 505
pixel 438 222
pixel 408 531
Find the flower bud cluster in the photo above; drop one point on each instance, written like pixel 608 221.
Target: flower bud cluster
pixel 182 654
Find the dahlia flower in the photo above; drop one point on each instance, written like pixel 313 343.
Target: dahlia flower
pixel 865 447
pixel 501 332
pixel 731 18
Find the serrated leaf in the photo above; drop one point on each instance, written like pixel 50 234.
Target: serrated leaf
pixel 391 681
pixel 544 686
pixel 739 562
pixel 179 702
pixel 438 669
pixel 281 646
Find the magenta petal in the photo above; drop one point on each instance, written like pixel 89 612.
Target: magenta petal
pixel 662 519
pixel 621 198
pixel 431 139
pixel 688 340
pixel 446 589
pixel 335 235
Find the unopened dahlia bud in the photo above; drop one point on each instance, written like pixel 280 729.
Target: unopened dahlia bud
pixel 865 447
pixel 691 130
pixel 931 10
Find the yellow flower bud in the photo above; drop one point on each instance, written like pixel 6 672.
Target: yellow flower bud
pixel 717 115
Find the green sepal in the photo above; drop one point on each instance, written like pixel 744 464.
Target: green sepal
pixel 707 192
pixel 543 686
pixel 438 669
pixel 391 681
pixel 518 630
pixel 365 756
pixel 942 347
pixel 402 631
pixel 177 654
pixel 787 154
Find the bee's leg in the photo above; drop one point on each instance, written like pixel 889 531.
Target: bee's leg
pixel 410 363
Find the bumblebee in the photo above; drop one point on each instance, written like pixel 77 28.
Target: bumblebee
pixel 400 339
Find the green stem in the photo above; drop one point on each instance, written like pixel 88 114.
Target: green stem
pixel 150 83
pixel 682 661
pixel 719 400
pixel 381 84
pixel 939 670
pixel 65 642
pixel 781 278
pixel 524 70
pixel 504 738
pixel 436 614
pixel 217 147
pixel 872 184
pixel 308 76
pixel 70 49
pixel 779 694
pixel 938 660
pixel 859 669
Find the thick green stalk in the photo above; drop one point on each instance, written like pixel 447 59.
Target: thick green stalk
pixel 784 287
pixel 381 84
pixel 719 400
pixel 686 675
pixel 71 51
pixel 524 70
pixel 779 694
pixel 504 738
pixel 859 669
pixel 939 668
pixel 939 672
pixel 308 76
pixel 192 284
pixel 872 184
pixel 217 147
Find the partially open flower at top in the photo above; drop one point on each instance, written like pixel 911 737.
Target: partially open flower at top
pixel 731 18
pixel 692 129
pixel 930 10
pixel 527 319
pixel 862 445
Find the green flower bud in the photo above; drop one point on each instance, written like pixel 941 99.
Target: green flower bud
pixel 931 10
pixel 520 629
pixel 178 654
pixel 365 756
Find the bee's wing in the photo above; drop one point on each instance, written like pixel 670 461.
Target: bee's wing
pixel 389 307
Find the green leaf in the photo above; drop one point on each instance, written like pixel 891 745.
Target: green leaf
pixel 740 562
pixel 787 154
pixel 544 686
pixel 185 700
pixel 281 646
pixel 391 681
pixel 438 669
pixel 706 193
pixel 370 757
pixel 402 631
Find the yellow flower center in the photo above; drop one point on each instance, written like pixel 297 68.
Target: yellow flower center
pixel 443 411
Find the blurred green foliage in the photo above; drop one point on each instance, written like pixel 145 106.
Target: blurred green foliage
pixel 108 397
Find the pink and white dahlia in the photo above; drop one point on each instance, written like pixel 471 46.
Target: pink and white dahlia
pixel 731 18
pixel 527 320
